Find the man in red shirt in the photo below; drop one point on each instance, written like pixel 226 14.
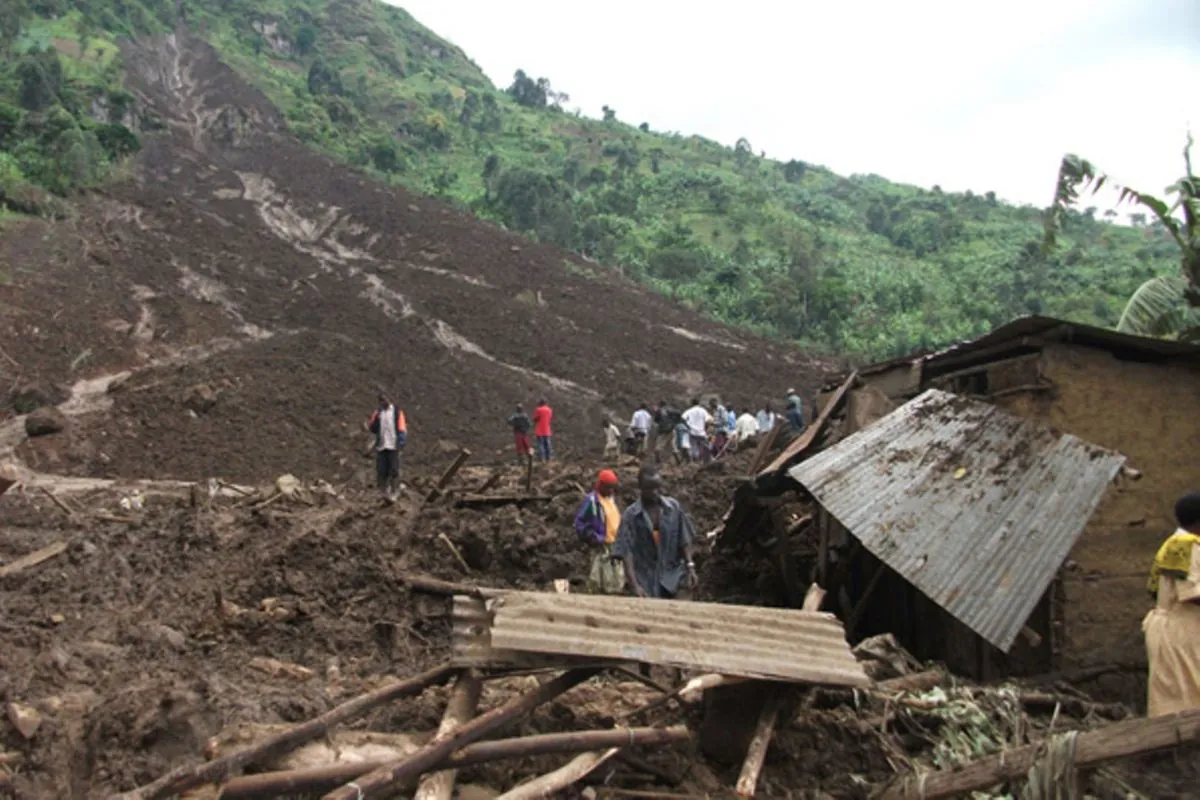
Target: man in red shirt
pixel 541 429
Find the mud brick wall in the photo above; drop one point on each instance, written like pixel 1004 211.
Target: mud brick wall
pixel 1151 414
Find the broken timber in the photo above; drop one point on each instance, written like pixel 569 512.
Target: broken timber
pixel 1128 738
pixel 383 781
pixel 810 434
pixel 459 709
pixel 756 753
pixel 448 475
pixel 319 779
pixel 501 499
pixel 184 778
pixel 33 559
pixel 552 783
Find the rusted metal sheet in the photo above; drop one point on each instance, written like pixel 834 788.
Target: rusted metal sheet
pixel 471 641
pixel 975 507
pixel 746 641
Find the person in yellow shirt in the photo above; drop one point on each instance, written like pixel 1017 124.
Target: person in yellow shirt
pixel 596 524
pixel 1172 627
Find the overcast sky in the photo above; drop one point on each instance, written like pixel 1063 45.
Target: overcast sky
pixel 968 95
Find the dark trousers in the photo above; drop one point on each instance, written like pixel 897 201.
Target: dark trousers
pixel 543 448
pixel 387 468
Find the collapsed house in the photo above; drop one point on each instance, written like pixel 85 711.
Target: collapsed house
pixel 965 500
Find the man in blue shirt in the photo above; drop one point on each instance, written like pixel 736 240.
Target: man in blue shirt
pixel 655 542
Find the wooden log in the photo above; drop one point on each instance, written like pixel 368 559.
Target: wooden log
pixel 58 501
pixel 460 708
pixel 1129 738
pixel 462 562
pixel 448 475
pixel 184 778
pixel 383 781
pixel 501 499
pixel 319 779
pixel 813 598
pixel 423 583
pixel 692 691
pixel 551 783
pixel 756 753
pixel 33 559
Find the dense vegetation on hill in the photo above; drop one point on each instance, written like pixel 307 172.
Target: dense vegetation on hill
pixel 856 265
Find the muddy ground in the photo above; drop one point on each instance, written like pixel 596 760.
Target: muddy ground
pixel 135 646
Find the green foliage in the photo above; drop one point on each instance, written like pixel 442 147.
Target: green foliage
pixel 1164 305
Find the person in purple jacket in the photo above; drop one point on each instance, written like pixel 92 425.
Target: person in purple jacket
pixel 596 524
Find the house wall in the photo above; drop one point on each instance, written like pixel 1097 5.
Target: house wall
pixel 1151 414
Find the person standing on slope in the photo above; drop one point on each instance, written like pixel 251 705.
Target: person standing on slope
pixel 391 434
pixel 640 427
pixel 596 523
pixel 766 419
pixel 542 431
pixel 521 425
pixel 612 439
pixel 744 429
pixel 655 542
pixel 697 419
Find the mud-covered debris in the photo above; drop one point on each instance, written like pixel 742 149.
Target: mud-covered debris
pixel 200 398
pixel 29 397
pixel 45 421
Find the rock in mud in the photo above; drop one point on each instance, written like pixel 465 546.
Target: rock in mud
pixel 25 719
pixel 32 396
pixel 45 421
pixel 200 398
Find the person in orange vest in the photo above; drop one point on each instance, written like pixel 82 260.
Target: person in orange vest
pixel 391 434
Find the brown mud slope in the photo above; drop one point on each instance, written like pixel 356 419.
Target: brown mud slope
pixel 291 288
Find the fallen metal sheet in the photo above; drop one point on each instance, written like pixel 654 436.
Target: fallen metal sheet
pixel 747 641
pixel 975 507
pixel 471 641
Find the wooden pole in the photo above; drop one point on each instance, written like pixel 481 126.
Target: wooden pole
pixel 184 778
pixel 460 708
pixel 383 781
pixel 1120 739
pixel 448 475
pixel 423 583
pixel 756 753
pixel 551 783
pixel 319 779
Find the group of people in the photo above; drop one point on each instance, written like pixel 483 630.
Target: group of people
pixel 700 433
pixel 697 434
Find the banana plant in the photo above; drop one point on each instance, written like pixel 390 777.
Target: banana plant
pixel 1168 306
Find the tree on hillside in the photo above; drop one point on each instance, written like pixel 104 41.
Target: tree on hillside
pixel 1162 306
pixel 529 92
pixel 41 79
pixel 793 171
pixel 610 114
pixel 322 79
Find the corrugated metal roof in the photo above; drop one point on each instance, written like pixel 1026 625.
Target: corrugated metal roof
pixel 1035 328
pixel 973 506
pixel 748 641
pixel 471 641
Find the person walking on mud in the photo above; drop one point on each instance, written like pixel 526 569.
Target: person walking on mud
pixel 654 542
pixel 596 524
pixel 542 431
pixel 521 425
pixel 391 434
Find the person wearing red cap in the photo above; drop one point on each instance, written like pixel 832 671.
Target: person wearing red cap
pixel 596 523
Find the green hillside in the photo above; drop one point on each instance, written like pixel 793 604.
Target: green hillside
pixel 857 265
